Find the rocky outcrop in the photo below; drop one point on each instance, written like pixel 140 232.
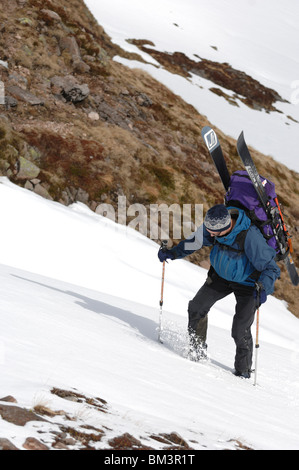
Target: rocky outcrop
pixel 5 444
pixel 50 16
pixel 70 434
pixel 247 89
pixel 32 443
pixel 18 416
pixel 69 44
pixel 69 88
pixel 26 170
pixel 20 94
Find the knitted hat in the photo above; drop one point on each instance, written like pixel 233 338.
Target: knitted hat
pixel 218 219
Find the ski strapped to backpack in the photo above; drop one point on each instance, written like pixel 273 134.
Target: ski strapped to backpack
pixel 257 196
pixel 242 194
pixel 284 248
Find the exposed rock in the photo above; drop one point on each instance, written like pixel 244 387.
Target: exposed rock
pixel 25 21
pixel 3 64
pixel 9 399
pixel 60 446
pixel 41 191
pixel 18 416
pixel 93 116
pixel 33 444
pixel 143 100
pixel 5 444
pixel 35 181
pixel 29 185
pixel 174 441
pixel 249 90
pixel 70 441
pixel 76 93
pixel 80 66
pixel 23 95
pixel 82 196
pixel 103 57
pixel 18 80
pixel 89 58
pixel 32 154
pixel 127 442
pixel 69 88
pixel 69 44
pixel 26 169
pixel 118 116
pixel 50 15
pixel 66 198
pixel 10 102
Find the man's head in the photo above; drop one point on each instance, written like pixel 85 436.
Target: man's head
pixel 218 220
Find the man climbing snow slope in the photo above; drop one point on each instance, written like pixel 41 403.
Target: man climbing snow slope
pixel 241 263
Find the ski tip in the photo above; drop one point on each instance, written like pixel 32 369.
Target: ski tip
pixel 241 136
pixel 241 142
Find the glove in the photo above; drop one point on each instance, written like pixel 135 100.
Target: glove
pixel 260 295
pixel 164 255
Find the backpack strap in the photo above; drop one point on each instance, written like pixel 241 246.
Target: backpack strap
pixel 239 240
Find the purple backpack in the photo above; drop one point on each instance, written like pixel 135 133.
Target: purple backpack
pixel 242 194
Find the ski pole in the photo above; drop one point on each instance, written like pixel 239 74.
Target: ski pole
pixel 258 288
pixel 163 248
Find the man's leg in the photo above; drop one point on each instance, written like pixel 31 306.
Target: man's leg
pixel 241 330
pixel 214 289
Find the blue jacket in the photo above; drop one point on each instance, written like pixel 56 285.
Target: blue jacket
pixel 231 264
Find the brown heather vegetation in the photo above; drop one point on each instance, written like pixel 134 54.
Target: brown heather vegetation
pixel 145 141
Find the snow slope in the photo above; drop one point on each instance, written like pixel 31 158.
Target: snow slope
pixel 79 309
pixel 259 38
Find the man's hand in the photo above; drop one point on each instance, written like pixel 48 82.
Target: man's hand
pixel 165 254
pixel 259 294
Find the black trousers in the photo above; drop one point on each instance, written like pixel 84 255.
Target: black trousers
pixel 214 289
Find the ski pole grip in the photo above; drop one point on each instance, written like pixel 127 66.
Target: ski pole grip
pixel 164 245
pixel 258 287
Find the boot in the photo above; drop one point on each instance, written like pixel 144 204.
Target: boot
pixel 197 345
pixel 198 353
pixel 246 374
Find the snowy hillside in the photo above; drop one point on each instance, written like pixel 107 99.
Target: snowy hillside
pixel 258 38
pixel 79 312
